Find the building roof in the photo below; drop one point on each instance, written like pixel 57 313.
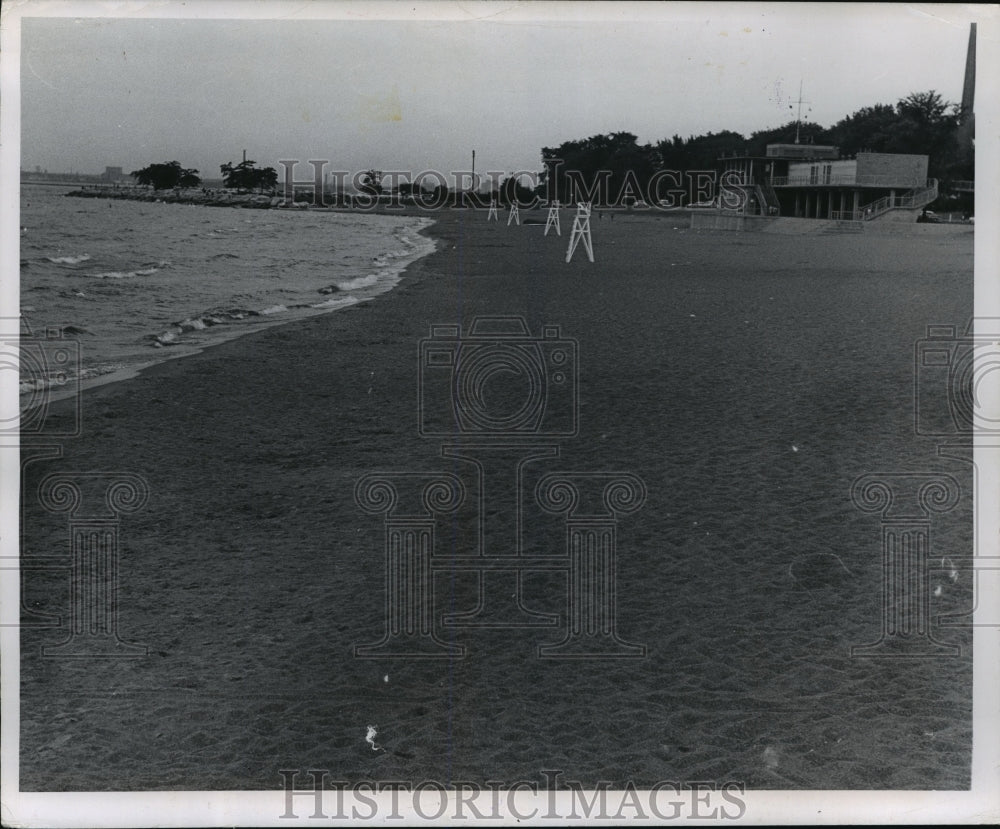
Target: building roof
pixel 802 151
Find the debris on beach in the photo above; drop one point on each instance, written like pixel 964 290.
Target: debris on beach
pixel 370 737
pixel 952 570
pixel 949 565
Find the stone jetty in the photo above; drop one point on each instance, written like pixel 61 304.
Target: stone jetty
pixel 191 195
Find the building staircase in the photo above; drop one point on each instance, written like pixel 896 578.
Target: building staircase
pixel 912 200
pixel 768 199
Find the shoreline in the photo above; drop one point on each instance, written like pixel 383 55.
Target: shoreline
pixel 148 369
pixel 172 344
pixel 887 225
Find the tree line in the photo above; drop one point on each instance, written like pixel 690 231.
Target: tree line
pixel 243 176
pixel 922 123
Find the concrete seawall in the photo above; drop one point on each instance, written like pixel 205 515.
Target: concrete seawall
pixel 904 224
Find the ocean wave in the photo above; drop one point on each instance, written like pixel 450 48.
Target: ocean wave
pixel 359 282
pixel 34 385
pixel 219 273
pixel 336 302
pixel 146 270
pixel 68 260
pixel 200 323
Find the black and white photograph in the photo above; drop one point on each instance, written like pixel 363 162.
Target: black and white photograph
pixel 549 413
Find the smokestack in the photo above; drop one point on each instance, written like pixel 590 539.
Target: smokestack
pixel 969 88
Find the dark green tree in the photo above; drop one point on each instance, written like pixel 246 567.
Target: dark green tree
pixel 869 129
pixel 370 182
pixel 928 125
pixel 700 152
pixel 808 133
pixel 246 176
pixel 166 176
pixel 922 123
pixel 602 168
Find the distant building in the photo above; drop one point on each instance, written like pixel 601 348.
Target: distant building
pixel 113 174
pixel 812 181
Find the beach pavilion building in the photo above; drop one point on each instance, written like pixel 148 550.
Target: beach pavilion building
pixel 813 181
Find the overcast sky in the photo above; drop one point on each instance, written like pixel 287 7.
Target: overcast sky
pixel 424 92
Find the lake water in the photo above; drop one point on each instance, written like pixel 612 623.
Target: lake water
pixel 136 283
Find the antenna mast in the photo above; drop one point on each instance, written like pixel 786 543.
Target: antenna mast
pixel 798 117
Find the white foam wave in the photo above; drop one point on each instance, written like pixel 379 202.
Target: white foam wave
pixel 122 274
pixel 68 260
pixel 336 303
pixel 148 270
pixel 359 282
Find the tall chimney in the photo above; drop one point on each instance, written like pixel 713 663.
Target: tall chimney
pixel 969 88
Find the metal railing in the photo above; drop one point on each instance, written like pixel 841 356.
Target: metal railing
pixel 843 179
pixel 914 199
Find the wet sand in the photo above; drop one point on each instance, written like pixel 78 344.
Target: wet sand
pixel 747 379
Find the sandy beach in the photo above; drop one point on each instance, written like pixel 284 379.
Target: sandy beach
pixel 747 378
